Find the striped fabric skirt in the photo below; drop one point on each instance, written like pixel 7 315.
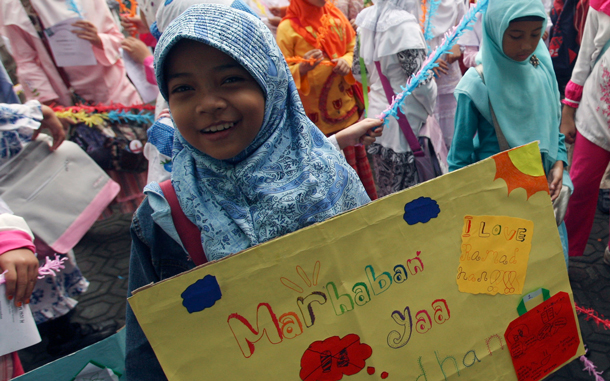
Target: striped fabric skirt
pixel 356 157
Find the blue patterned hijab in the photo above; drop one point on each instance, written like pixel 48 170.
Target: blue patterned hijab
pixel 289 177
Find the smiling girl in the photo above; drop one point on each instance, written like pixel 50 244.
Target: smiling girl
pixel 248 165
pixel 516 87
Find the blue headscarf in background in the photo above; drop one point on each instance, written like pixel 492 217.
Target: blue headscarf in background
pixel 289 177
pixel 525 98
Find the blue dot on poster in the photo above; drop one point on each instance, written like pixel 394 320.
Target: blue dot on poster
pixel 202 294
pixel 421 210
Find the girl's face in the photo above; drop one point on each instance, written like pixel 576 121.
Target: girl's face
pixel 521 39
pixel 216 104
pixel 317 3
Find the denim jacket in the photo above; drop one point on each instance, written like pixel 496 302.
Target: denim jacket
pixel 156 254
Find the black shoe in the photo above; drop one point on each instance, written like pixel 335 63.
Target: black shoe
pixel 81 336
pixel 603 201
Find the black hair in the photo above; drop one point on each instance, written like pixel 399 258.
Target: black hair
pixel 527 18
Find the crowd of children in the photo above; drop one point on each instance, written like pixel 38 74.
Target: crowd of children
pixel 262 122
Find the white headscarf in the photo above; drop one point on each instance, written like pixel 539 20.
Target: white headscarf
pixel 389 27
pixel 445 16
pixel 149 8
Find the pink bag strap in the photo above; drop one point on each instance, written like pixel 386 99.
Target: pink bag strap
pixel 402 121
pixel 189 232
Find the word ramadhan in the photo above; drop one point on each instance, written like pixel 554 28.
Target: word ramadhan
pixel 290 324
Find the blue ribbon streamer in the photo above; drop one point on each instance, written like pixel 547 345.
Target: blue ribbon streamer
pixel 451 38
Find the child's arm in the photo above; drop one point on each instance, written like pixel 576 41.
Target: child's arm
pixel 466 125
pixel 278 11
pixel 470 53
pixel 140 53
pixel 568 126
pixel 363 132
pixel 51 123
pixel 32 115
pixel 595 36
pixel 36 83
pixel 555 179
pixel 555 175
pixel 106 37
pixel 141 364
pixel 344 64
pixel 133 25
pixel 136 49
pixel 287 40
pixel 17 258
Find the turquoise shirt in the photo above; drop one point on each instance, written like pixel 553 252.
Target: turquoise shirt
pixel 475 138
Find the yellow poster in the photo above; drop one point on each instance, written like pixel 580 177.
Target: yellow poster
pixel 375 293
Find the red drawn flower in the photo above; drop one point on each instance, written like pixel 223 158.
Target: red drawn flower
pixel 337 104
pixel 331 359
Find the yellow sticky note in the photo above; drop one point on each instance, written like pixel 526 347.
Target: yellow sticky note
pixel 494 254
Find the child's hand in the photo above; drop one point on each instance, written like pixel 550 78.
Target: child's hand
pixel 136 49
pixel 545 35
pixel 555 179
pixel 22 266
pixel 441 68
pixel 133 25
pixel 353 23
pixel 54 125
pixel 568 127
pixel 363 132
pixel 88 32
pixel 278 11
pixel 275 21
pixel 342 67
pixel 305 67
pixel 456 54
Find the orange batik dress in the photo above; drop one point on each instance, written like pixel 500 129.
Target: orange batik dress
pixel 328 98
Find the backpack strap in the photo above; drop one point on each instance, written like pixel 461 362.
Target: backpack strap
pixel 189 232
pixel 402 118
pixel 499 134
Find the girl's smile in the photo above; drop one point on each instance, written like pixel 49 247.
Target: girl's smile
pixel 219 133
pixel 219 127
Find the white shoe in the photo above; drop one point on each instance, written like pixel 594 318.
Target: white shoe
pixel 607 256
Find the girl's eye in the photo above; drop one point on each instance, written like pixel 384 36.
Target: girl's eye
pixel 233 80
pixel 181 89
pixel 515 37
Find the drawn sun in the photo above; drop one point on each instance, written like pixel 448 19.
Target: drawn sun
pixel 521 168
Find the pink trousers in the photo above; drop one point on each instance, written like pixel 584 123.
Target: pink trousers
pixel 588 166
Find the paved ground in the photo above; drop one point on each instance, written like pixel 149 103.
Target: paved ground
pixel 103 256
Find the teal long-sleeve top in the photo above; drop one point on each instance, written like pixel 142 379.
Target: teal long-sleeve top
pixel 475 139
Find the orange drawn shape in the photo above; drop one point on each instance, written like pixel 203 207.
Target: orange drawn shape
pixel 303 276
pixel 316 273
pixel 506 170
pixel 291 285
